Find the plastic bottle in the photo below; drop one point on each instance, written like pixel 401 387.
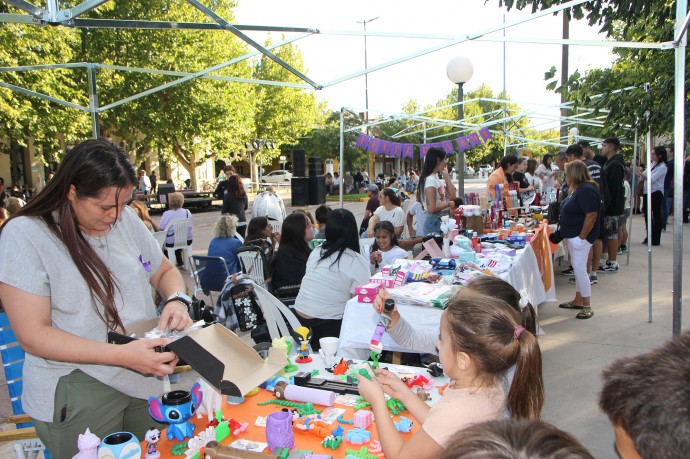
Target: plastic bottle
pixel 381 326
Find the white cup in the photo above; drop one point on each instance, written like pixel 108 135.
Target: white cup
pixel 329 345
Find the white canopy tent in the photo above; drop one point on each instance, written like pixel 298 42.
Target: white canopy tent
pixel 52 15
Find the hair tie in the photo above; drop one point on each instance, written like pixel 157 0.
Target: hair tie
pixel 518 331
pixel 524 300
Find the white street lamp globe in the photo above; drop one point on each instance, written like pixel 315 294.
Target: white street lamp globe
pixel 459 69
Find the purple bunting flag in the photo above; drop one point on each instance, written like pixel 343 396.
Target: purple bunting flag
pixel 384 149
pixel 397 149
pixel 374 145
pixel 463 143
pixel 486 134
pixel 363 141
pixel 408 150
pixel 423 149
pixel 447 146
pixel 474 139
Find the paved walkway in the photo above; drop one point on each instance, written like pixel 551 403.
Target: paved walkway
pixel 574 351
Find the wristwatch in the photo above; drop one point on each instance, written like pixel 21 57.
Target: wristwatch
pixel 180 297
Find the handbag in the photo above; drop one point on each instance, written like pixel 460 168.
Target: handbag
pixel 246 306
pixel 554 212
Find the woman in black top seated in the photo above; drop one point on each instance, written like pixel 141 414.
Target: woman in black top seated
pixel 290 262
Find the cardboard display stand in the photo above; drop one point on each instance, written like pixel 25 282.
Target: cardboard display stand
pixel 218 355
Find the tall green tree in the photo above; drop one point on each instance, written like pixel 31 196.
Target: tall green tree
pixel 282 114
pixel 23 116
pixel 479 112
pixel 323 140
pixel 187 122
pixel 619 92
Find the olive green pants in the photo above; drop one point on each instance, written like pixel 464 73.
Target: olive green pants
pixel 81 402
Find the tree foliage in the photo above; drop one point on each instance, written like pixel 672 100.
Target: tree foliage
pixel 619 92
pixel 187 121
pixel 607 13
pixel 23 116
pixel 282 114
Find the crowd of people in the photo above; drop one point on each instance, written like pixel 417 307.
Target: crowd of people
pixel 90 262
pixel 359 181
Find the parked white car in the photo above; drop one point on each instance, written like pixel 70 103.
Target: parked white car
pixel 279 176
pixel 486 169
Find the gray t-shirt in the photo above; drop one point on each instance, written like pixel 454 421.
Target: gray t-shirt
pixel 35 261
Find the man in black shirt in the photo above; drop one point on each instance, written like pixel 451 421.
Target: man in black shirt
pixel 614 199
pixel 219 192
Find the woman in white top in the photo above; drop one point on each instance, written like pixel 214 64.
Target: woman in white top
pixel 390 210
pixel 435 194
pixel 546 174
pixel 658 174
pixel 333 272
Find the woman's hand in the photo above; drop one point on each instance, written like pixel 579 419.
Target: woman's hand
pixel 175 316
pixel 141 356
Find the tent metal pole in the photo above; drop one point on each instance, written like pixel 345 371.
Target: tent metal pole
pixel 342 154
pixel 648 213
pixel 93 100
pixel 633 197
pixel 679 150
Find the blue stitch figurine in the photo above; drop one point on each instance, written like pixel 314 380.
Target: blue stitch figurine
pixel 176 408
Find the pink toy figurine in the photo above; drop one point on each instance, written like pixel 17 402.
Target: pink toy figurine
pixel 88 446
pixel 363 419
pixel 152 438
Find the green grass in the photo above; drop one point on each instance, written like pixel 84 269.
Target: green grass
pixel 348 197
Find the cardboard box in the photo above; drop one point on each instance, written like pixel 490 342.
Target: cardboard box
pixel 218 355
pixel 382 281
pixel 366 298
pixel 369 288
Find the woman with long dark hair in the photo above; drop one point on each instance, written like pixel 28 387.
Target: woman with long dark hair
pixel 87 268
pixel 235 202
pixel 333 272
pixel 655 176
pixel 290 261
pixel 434 193
pixel 390 210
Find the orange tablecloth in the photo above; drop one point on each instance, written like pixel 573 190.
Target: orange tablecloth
pixel 248 412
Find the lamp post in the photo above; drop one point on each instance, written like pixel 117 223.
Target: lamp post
pixel 459 71
pixel 366 66
pixel 259 144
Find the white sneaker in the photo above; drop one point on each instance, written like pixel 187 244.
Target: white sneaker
pixel 610 267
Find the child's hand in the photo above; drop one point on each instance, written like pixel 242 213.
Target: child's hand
pixel 370 389
pixel 380 299
pixel 378 306
pixel 375 257
pixel 392 385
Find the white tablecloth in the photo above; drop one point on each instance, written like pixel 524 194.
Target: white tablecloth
pixel 360 319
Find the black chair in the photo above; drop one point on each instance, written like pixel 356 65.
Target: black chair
pixel 209 274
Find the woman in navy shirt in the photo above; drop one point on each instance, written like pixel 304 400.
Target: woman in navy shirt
pixel 579 227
